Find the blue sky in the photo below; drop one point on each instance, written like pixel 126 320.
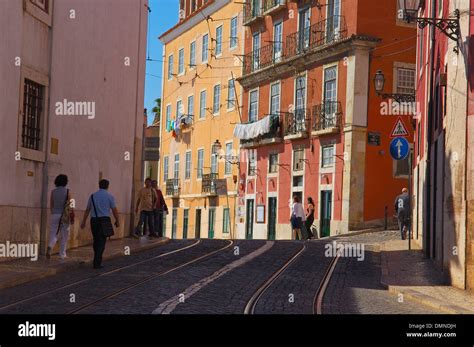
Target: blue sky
pixel 164 14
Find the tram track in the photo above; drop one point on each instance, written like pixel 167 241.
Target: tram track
pixel 105 274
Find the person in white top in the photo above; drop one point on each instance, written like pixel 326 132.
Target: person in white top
pixel 297 217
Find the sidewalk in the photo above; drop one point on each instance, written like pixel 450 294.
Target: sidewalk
pixel 18 271
pixel 409 273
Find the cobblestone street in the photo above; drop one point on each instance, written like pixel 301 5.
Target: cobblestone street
pixel 221 277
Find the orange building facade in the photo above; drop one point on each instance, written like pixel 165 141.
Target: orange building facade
pixel 313 125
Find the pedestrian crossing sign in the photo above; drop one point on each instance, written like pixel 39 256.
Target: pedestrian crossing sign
pixel 399 129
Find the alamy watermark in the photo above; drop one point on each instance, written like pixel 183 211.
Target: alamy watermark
pixel 346 250
pixel 75 108
pixel 28 329
pixel 19 250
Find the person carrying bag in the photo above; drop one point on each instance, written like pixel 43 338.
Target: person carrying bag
pixel 101 203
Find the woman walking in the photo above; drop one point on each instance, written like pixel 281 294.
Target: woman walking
pixel 62 216
pixel 297 217
pixel 310 217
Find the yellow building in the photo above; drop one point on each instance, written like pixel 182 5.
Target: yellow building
pixel 200 105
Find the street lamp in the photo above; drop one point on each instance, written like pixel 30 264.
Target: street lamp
pixel 448 26
pixel 379 83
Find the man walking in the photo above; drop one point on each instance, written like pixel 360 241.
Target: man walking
pixel 160 208
pixel 145 204
pixel 402 208
pixel 99 205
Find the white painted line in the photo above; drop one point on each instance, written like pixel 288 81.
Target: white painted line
pixel 170 305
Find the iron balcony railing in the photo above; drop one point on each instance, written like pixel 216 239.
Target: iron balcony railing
pixel 274 133
pixel 271 4
pixel 173 187
pixel 297 122
pixel 325 32
pixel 209 185
pixel 327 115
pixel 252 10
pixel 263 57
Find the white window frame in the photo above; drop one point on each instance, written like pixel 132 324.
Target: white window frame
pixel 188 165
pixel 200 173
pixel 270 97
pixel 233 47
pixel 170 66
pixel 205 50
pixel 257 90
pixel 219 43
pixel 227 154
pixel 232 107
pixel 202 116
pixel 192 57
pixel 181 67
pixel 176 166
pixel 192 110
pixel 166 168
pixel 214 113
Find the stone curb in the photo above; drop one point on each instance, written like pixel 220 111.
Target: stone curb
pixel 40 274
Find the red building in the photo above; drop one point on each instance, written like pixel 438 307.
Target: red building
pixel 313 125
pixel 443 171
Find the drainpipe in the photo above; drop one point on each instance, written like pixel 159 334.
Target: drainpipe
pixel 427 231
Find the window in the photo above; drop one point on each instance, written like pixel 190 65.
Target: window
pixel 214 154
pixel 228 155
pixel 205 48
pixel 405 81
pixel 216 104
pixel 168 116
pixel 219 40
pixel 233 32
pixel 252 168
pixel 33 105
pixel 253 106
pixel 298 159
pixel 170 67
pixel 330 81
pixel 226 226
pixel 191 105
pixel 256 51
pixel 273 163
pixel 187 172
pixel 200 163
pixel 179 108
pixel 181 61
pixel 328 156
pixel 202 104
pixel 297 181
pixel 165 168
pixel 275 99
pixel 300 93
pixel 192 54
pixel 231 94
pixel 185 223
pixel 176 166
pixel 278 41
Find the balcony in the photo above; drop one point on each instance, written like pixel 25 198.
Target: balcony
pixel 296 124
pixel 209 184
pixel 270 137
pixel 173 187
pixel 327 118
pixel 253 12
pixel 273 6
pixel 326 39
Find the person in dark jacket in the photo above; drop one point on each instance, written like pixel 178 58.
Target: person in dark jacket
pixel 159 208
pixel 402 209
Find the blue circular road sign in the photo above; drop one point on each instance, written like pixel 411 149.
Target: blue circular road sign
pixel 399 148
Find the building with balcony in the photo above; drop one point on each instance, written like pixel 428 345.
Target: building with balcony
pixel 200 102
pixel 309 66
